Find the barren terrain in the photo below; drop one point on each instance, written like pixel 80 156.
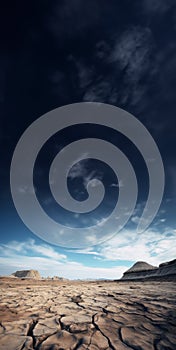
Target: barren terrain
pixel 74 315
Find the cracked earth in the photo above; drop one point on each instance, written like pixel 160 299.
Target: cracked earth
pixel 54 315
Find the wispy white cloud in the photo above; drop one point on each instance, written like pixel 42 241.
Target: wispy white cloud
pixel 101 222
pixel 27 189
pixel 70 270
pixel 13 258
pixel 162 220
pixel 48 200
pixel 80 170
pixel 120 184
pixel 30 246
pixel 99 91
pixel 151 246
pixel 87 251
pixel 135 219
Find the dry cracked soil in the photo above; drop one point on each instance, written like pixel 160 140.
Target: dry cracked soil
pixel 54 315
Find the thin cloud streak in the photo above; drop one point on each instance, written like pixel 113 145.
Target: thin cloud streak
pixel 14 256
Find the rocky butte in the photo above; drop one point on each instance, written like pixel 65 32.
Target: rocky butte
pixel 27 274
pixel 144 270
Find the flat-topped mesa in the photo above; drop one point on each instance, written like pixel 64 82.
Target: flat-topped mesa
pixel 143 270
pixel 27 274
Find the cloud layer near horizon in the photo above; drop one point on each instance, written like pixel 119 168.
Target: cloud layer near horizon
pixel 122 251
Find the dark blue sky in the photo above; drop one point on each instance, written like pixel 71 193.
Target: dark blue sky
pixel 54 53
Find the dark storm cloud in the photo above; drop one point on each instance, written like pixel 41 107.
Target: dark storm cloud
pixel 128 61
pixel 157 6
pixel 118 66
pixel 131 64
pixel 67 51
pixel 114 73
pixel 132 51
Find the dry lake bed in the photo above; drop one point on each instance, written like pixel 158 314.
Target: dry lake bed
pixel 55 315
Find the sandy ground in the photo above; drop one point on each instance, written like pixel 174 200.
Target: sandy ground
pixel 87 315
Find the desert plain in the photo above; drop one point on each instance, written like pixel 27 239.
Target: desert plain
pixel 60 315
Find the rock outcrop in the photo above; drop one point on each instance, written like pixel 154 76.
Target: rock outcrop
pixel 27 274
pixel 56 278
pixel 143 270
pixel 167 268
pixel 138 270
